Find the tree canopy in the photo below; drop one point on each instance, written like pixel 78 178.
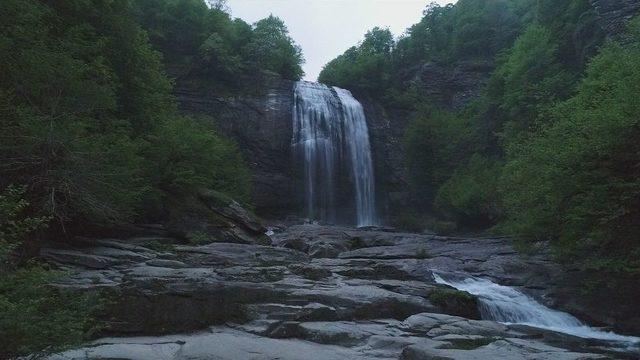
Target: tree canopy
pixel 547 151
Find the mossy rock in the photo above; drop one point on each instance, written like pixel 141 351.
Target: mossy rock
pixel 455 302
pixel 215 198
pixel 356 242
pixel 470 343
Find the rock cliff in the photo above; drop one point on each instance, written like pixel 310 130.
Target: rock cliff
pixel 261 125
pixel 614 14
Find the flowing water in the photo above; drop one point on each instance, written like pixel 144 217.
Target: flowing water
pixel 330 136
pixel 508 305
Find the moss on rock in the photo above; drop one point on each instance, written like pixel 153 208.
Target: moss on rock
pixel 455 302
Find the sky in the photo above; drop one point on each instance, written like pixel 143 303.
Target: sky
pixel 327 28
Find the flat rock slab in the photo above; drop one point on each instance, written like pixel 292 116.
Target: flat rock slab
pixel 318 293
pixel 218 344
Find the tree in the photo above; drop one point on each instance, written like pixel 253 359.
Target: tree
pixel 531 79
pixel 273 49
pixel 577 182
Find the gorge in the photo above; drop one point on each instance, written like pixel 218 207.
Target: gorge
pixel 171 188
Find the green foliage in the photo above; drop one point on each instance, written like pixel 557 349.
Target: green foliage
pixel 435 142
pixel 203 46
pixel 70 80
pixel 34 316
pixel 471 29
pixel 365 67
pixel 14 227
pixel 189 155
pixel 274 50
pixel 470 196
pixel 455 302
pixel 409 222
pixel 87 121
pixel 530 79
pixel 199 238
pixel 577 181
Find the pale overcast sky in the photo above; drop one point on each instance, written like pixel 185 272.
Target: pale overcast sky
pixel 326 28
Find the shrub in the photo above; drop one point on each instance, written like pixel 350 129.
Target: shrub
pixel 187 155
pixel 577 182
pixel 35 317
pixel 470 196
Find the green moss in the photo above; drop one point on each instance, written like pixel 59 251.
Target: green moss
pixel 422 253
pixel 470 344
pixel 36 318
pixel 200 238
pixel 455 302
pixel 160 246
pixel 409 222
pixel 356 242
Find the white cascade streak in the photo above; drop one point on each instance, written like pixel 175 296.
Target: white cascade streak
pixel 330 133
pixel 508 305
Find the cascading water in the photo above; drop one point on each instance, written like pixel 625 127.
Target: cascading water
pixel 330 135
pixel 508 305
pixel 359 150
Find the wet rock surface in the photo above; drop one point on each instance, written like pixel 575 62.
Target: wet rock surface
pixel 261 125
pixel 615 14
pixel 370 297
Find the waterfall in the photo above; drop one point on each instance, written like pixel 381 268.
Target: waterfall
pixel 330 136
pixel 508 305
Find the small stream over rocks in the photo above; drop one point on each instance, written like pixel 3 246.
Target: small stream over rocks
pixel 322 292
pixel 510 306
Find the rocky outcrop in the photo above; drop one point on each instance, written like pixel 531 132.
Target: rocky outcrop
pixel 448 87
pixel 615 14
pixel 209 216
pixel 261 124
pixel 383 339
pixel 451 86
pixel 369 295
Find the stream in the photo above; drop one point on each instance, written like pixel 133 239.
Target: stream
pixel 507 305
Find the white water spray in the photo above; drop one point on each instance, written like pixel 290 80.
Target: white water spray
pixel 508 305
pixel 330 134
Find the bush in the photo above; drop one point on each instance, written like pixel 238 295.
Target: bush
pixel 37 318
pixel 187 155
pixel 436 142
pixel 34 316
pixel 470 196
pixel 409 222
pixel 13 226
pixel 577 182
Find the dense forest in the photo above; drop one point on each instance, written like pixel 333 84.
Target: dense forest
pixel 90 134
pixel 549 150
pixel 91 137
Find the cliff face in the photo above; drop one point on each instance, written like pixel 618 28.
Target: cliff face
pixel 261 125
pixel 450 87
pixel 614 14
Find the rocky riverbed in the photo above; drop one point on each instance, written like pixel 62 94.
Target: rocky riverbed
pixel 317 292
